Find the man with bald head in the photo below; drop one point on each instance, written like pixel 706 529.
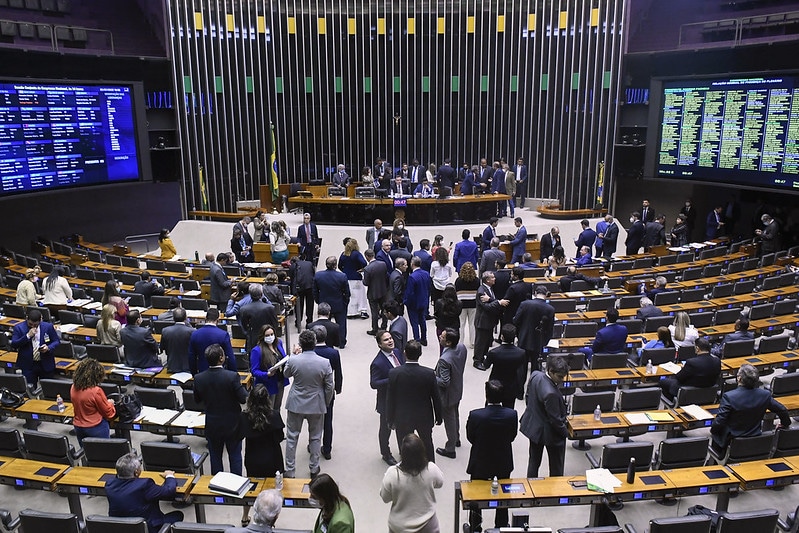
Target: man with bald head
pixel 373 233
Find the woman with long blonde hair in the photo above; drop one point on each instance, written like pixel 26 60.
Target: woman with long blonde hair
pixel 108 328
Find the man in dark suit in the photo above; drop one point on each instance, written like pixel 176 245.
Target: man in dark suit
pixel 489 310
pixel 517 292
pixel 148 287
pixel 491 430
pixel 383 172
pixel 489 233
pixel 490 257
pixel 548 243
pixel 375 279
pixel 417 300
pixel 332 338
pixel 302 273
pixel 413 403
pixel 447 176
pixel 340 178
pixel 648 309
pixel 397 325
pixel 700 371
pixel 655 233
pixel 635 235
pixel 647 212
pixel 332 355
pixel 387 358
pixel 483 179
pixel 465 250
pixel 132 496
pixel 449 377
pixel 222 393
pixel 35 341
pixel 220 283
pixel 423 253
pixel 585 238
pixel 398 187
pixel 384 255
pixel 141 350
pixel 400 250
pixel 770 240
pixel 742 410
pixel 518 243
pixel 308 239
pixel 741 333
pixel 520 169
pixel 207 335
pixel 544 419
pixel 534 321
pixel 256 315
pixel 610 339
pixel 498 187
pixel 566 280
pixel 175 341
pixel 331 286
pixel 397 282
pixel 714 224
pixel 507 364
pixel 688 212
pixel 610 237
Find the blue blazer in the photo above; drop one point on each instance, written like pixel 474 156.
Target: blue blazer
pixel 610 339
pixel 201 339
pixel 741 414
pixel 332 355
pixel 467 186
pixel 464 251
pixel 488 234
pixel 417 290
pixel 378 377
pixel 519 242
pixel 138 497
pixel 427 259
pixel 20 341
pixel 331 286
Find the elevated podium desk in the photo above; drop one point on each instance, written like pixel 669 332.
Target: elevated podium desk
pixel 451 210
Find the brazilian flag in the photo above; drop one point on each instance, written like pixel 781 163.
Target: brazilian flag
pixel 273 165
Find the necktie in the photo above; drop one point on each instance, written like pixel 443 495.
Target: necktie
pixel 394 360
pixel 308 233
pixel 413 176
pixel 644 213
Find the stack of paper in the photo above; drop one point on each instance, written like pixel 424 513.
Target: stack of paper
pixel 229 484
pixel 670 367
pixel 697 412
pixel 182 377
pixel 157 416
pixel 601 480
pixel 189 419
pixel 68 328
pixel 192 294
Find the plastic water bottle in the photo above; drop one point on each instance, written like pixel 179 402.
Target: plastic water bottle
pixel 606 288
pixel 597 413
pixel 649 368
pixel 279 480
pixel 494 486
pixel 631 471
pixel 181 290
pixel 59 401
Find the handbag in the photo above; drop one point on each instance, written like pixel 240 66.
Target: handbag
pixel 128 407
pixel 9 399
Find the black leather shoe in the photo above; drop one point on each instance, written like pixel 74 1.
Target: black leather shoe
pixel 457 444
pixel 479 366
pixel 326 455
pixel 445 453
pixel 423 342
pixel 371 332
pixel 389 460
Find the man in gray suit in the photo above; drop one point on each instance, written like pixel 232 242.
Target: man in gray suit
pixel 175 342
pixel 375 279
pixel 491 256
pixel 449 378
pixel 141 349
pixel 397 325
pixel 220 283
pixel 310 394
pixel 544 419
pixel 373 233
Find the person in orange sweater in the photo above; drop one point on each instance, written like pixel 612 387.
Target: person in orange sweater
pixel 92 409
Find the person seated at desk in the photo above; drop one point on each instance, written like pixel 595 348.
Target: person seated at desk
pixel 585 256
pixel 742 409
pixel 424 190
pixel 399 188
pixel 572 275
pixel 647 310
pixel 660 286
pixel 663 341
pixel 265 511
pixel 130 495
pixel 700 371
pixel 557 259
pixel 26 290
pixel 682 332
pixel 148 288
pixel 610 339
pixel 527 261
pixel 340 178
pixel 741 333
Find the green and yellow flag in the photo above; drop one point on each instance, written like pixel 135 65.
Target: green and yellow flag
pixel 273 165
pixel 203 191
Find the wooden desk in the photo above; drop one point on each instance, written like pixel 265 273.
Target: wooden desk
pixel 31 474
pixel 44 410
pixel 765 473
pixel 698 480
pixel 295 494
pixel 763 362
pixel 531 247
pixel 584 426
pixel 62 365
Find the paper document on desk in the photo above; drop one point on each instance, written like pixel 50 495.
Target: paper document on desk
pixel 68 328
pixel 575 294
pixel 656 416
pixel 637 419
pixel 553 343
pixel 80 302
pixel 160 416
pixel 182 377
pixel 189 419
pixel 601 480
pixel 670 367
pixel 192 294
pixel 93 305
pixel 697 412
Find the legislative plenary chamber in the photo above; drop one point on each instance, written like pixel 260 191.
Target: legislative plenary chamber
pixel 521 266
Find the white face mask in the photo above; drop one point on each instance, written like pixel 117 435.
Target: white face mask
pixel 400 226
pixel 269 339
pixel 632 219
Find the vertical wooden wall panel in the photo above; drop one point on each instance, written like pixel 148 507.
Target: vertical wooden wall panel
pixel 465 79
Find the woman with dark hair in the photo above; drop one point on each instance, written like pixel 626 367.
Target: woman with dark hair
pixel 336 514
pixel 92 409
pixel 438 241
pixel 168 250
pixel 409 486
pixel 56 288
pixel 261 226
pixel 367 180
pixel 280 243
pixel 352 263
pixel 112 296
pixel 441 271
pixel 264 356
pixel 466 286
pixel 663 341
pixel 557 259
pixel 448 311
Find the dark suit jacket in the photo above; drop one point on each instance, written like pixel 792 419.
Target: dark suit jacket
pixel 498 181
pixel 220 284
pixel 712 229
pixel 508 366
pixel 201 339
pixel 141 350
pixel 544 419
pixel 548 245
pixel 222 392
pixel 333 338
pixel 488 233
pixel 610 339
pixel 175 343
pixel 491 430
pixel 465 251
pixel 413 399
pixel 417 290
pixel 138 497
pixel 519 242
pixel 586 238
pixel 635 237
pixel 654 234
pixel 376 280
pixel 611 238
pixel 518 291
pixel 534 321
pixel 20 341
pixel 701 371
pixel 447 176
pixel 253 317
pixel 426 258
pixel 332 355
pixel 501 283
pixel 148 289
pixel 331 286
pixel 565 281
pixel 302 238
pixel 401 189
pixel 649 215
pixel 487 313
pixel 648 311
pixel 381 255
pixel 378 377
pixel 302 273
pixel 741 414
pixel 399 331
pixel 396 282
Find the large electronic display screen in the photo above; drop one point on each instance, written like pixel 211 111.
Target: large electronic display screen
pixel 741 130
pixel 67 134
